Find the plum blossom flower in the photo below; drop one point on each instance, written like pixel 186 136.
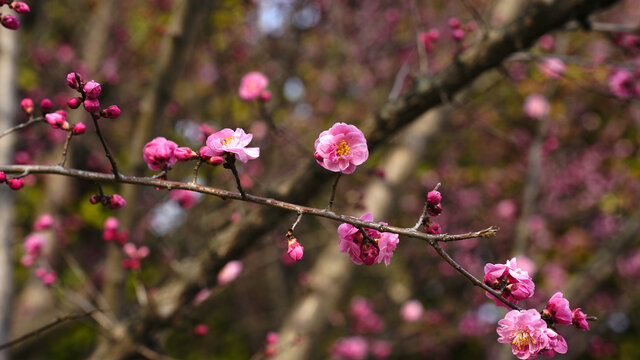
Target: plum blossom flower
pixel 135 255
pixel 525 331
pixel 622 84
pixel 412 311
pixel 201 330
pixel 229 272
pixel 26 105
pixel 362 251
pixel 557 344
pixel 72 81
pixel 92 89
pixel 365 320
pixel 557 310
pixel 10 22
pixel 294 249
pixel 45 221
pixel 351 348
pixel 579 319
pixel 116 202
pixel 227 141
pixel 516 282
pixel 33 244
pixel 341 148
pixel 536 106
pixel 159 153
pixel 552 68
pixel 252 85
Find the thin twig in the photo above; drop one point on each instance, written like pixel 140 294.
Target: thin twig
pixel 194 180
pixel 114 167
pixel 230 163
pixel 293 227
pixel 46 327
pixel 65 148
pixel 23 125
pixel 333 191
pixel 476 14
pixel 423 216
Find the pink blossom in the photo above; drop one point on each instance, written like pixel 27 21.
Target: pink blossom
pixel 71 80
pixel 159 153
pixel 201 296
pixel 434 197
pixel 546 42
pixel 47 277
pixel 433 228
pixel 92 89
pixel 228 141
pixel 252 85
pixel 265 96
pixel 112 112
pixel 295 250
pixel 45 221
pixel 15 184
pixel 185 198
pixel 428 39
pixel 33 244
pixel 27 260
pixel 536 106
pixel 411 311
pixel 201 330
pixel 184 153
pixel 362 251
pixel 20 7
pixel 56 120
pixel 454 23
pixel 516 282
pixel 457 34
pixel 272 337
pixel 552 68
pixel 341 148
pixel 26 105
pixel 579 319
pixel 229 272
pixel 622 84
pixel 557 309
pixel 79 128
pixel 380 349
pixel 46 105
pixel 364 319
pixel 135 253
pixel 557 344
pixel 3 177
pixel 351 348
pixel 10 22
pixel 74 102
pixel 525 331
pixel 91 105
pixel 116 202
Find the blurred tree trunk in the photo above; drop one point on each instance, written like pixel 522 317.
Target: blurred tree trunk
pixel 8 105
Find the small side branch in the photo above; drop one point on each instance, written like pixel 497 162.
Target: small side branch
pixel 22 126
pixel 333 191
pixel 114 167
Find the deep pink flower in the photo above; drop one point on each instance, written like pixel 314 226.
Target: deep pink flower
pixel 33 244
pixel 252 85
pixel 20 7
pixel 3 177
pixel 272 337
pixel 159 153
pixel 557 309
pixel 91 105
pixel 55 120
pixel 233 142
pixel 433 228
pixel 184 153
pixel 552 68
pixel 229 272
pixel 27 105
pixel 201 330
pixel 116 202
pixel 351 348
pixel 516 282
pixel 454 23
pixel 44 222
pixel 15 184
pixel 579 319
pixel 362 251
pixel 557 344
pixel 536 106
pixel 74 102
pixel 341 148
pixel 434 197
pixel 458 34
pixel 622 83
pixel 411 311
pixel 71 80
pixel 428 39
pixel 46 105
pixel 295 250
pixel 112 112
pixel 525 331
pixel 49 278
pixel 10 22
pixel 79 128
pixel 92 89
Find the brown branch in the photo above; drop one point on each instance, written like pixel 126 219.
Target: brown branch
pixel 46 327
pixel 22 126
pixel 114 167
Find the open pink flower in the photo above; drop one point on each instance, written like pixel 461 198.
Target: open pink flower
pixel 233 142
pixel 525 331
pixel 252 85
pixel 341 148
pixel 362 251
pixel 412 311
pixel 557 309
pixel 159 153
pixel 622 83
pixel 44 222
pixel 557 344
pixel 516 282
pixel 33 244
pixel 536 106
pixel 579 319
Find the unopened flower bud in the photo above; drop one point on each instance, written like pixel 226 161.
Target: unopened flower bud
pixel 65 126
pixel 73 103
pixel 454 23
pixel 457 34
pixel 3 177
pixel 112 112
pixel 215 160
pixel 10 22
pixel 201 330
pixel 203 153
pixel 92 89
pixel 91 105
pixel 434 197
pixel 15 184
pixel 434 210
pixel 94 199
pixel 46 105
pixel 55 120
pixel 27 106
pixel 579 319
pixel 79 129
pixel 433 228
pixel 184 153
pixel 265 95
pixel 294 249
pixel 116 202
pixel 72 81
pixel 20 7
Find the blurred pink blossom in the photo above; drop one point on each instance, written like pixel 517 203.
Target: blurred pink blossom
pixel 622 83
pixel 552 68
pixel 536 106
pixel 33 244
pixel 252 85
pixel 546 42
pixel 45 221
pixel 229 272
pixel 380 349
pixel 351 348
pixel 412 311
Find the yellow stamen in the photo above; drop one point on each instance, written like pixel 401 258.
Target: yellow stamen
pixel 226 141
pixel 343 149
pixel 522 339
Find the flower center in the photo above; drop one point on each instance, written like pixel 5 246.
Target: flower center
pixel 522 339
pixel 228 141
pixel 343 149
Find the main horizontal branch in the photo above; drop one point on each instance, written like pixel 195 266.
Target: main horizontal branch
pixel 225 194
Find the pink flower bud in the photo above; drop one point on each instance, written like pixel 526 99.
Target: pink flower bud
pixel 229 272
pixel 27 260
pixel 91 105
pixel 457 34
pixel 265 95
pixel 79 129
pixel 94 199
pixel 116 202
pixel 159 153
pixel 433 228
pixel 55 120
pixel 15 184
pixel 112 112
pixel 40 273
pixel 74 102
pixel 295 250
pixel 434 197
pixel 3 177
pixel 546 42
pixel 204 151
pixel 272 337
pixel 72 81
pixel 201 330
pixel 45 221
pixel 49 278
pixel 454 23
pixel 579 319
pixel 27 106
pixel 184 153
pixel 215 160
pixel 33 244
pixel 10 22
pixel 557 310
pixel 46 105
pixel 20 7
pixel 92 89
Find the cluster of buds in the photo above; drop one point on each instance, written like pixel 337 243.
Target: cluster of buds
pixel 14 184
pixel 48 277
pixel 113 202
pixel 28 106
pixel 294 249
pixel 434 208
pixel 428 39
pixel 9 21
pixel 112 231
pixel 89 93
pixel 57 119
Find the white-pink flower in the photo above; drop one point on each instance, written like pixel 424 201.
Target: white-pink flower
pixel 341 148
pixel 135 253
pixel 552 68
pixel 233 142
pixel 525 331
pixel 252 85
pixel 536 106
